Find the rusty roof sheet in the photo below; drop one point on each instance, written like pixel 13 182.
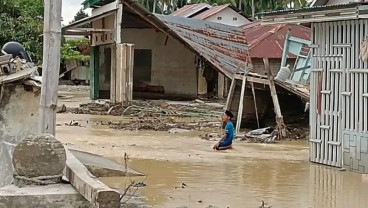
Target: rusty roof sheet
pixel 225 47
pixel 267 41
pixel 190 10
pixel 212 11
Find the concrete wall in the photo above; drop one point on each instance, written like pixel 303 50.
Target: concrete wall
pixel 355 151
pixel 18 117
pixel 173 65
pixel 227 18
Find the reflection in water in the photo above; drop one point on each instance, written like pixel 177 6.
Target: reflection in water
pixel 279 183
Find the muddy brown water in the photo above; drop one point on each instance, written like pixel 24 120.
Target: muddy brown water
pixel 279 174
pixel 246 183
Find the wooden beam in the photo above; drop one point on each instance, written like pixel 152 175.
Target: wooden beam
pixel 279 119
pixel 230 94
pixel 51 66
pixel 253 79
pixel 255 103
pixel 89 186
pixel 241 105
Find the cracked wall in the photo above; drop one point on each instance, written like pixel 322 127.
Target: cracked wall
pixel 18 117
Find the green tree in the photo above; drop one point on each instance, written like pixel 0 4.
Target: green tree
pixel 22 21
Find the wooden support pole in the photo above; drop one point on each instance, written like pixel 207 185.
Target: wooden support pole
pixel 230 94
pixel 279 119
pixel 255 103
pixel 50 66
pixel 241 104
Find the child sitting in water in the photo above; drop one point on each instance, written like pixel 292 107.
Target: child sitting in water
pixel 226 140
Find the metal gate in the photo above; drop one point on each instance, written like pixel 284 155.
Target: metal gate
pixel 339 95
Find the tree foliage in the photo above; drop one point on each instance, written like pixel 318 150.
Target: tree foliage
pixel 22 21
pixel 75 50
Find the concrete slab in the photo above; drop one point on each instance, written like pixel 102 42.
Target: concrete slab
pixel 56 196
pixel 103 167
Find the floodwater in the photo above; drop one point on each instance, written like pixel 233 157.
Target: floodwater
pixel 278 174
pixel 246 183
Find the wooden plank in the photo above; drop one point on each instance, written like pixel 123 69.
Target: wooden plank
pixel 113 74
pixel 119 71
pixel 230 94
pixel 130 73
pixel 241 105
pixel 255 103
pixel 279 119
pixel 89 186
pixel 50 66
pixel 123 77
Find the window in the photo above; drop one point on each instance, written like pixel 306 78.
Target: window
pixel 142 65
pixel 219 18
pixel 235 18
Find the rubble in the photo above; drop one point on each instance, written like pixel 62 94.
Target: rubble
pixel 141 108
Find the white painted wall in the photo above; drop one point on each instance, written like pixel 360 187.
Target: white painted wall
pixel 227 18
pixel 173 65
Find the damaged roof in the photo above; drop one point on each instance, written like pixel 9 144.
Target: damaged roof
pixel 191 10
pixel 209 13
pixel 267 41
pixel 223 46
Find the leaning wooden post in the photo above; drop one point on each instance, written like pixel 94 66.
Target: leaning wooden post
pixel 255 103
pixel 50 66
pixel 241 104
pixel 281 129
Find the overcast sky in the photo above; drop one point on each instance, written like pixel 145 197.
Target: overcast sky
pixel 70 8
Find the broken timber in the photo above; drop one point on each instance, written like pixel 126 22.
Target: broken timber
pixel 280 125
pixel 89 186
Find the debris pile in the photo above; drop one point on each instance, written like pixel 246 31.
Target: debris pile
pixel 169 124
pixel 149 109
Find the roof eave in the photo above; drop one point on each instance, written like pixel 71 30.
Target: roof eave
pixel 337 13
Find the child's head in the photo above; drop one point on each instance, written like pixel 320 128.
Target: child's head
pixel 227 116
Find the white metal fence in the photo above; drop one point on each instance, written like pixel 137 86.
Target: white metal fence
pixel 339 95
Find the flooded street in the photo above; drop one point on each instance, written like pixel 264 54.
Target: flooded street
pixel 183 171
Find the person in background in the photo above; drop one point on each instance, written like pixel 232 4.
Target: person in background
pixel 226 140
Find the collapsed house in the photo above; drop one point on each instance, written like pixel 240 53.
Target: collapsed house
pixel 338 82
pixel 171 56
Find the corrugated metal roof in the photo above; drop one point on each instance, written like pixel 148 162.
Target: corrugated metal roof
pixel 225 47
pixel 267 41
pixel 190 10
pixel 214 10
pixel 314 8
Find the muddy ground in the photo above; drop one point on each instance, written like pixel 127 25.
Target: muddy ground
pixel 182 169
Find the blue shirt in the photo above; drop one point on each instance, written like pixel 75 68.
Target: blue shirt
pixel 229 130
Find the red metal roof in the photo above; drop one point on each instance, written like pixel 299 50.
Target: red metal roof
pixel 190 9
pixel 214 10
pixel 267 41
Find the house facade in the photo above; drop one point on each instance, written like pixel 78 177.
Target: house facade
pixel 134 50
pixel 338 84
pixel 223 14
